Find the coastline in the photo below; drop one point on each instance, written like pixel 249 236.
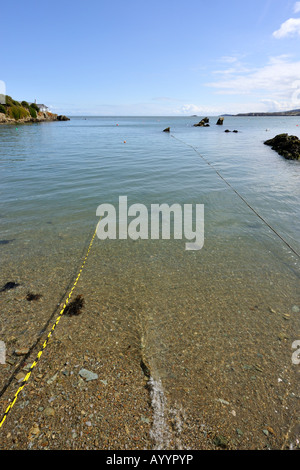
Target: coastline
pixel 41 117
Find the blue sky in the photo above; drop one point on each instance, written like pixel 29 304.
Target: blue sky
pixel 166 57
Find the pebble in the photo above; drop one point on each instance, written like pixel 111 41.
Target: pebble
pixel 88 375
pixel 35 430
pixel 20 376
pixel 49 412
pixel 224 402
pixel 50 381
pixel 295 309
pixel 21 352
pixel 220 441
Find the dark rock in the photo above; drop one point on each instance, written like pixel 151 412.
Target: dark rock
pixel 220 121
pixel 203 123
pixel 227 130
pixel 286 145
pixel 235 131
pixel 167 129
pixel 62 118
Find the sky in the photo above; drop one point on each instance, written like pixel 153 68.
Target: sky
pixel 162 57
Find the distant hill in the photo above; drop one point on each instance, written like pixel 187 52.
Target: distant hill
pixel 294 112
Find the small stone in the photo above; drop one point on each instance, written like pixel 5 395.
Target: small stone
pixel 266 432
pixel 34 431
pixel 224 402
pixel 239 432
pixel 49 412
pixel 145 420
pixel 21 352
pixel 20 376
pixel 52 379
pixel 88 375
pixel 295 309
pixel 221 441
pixel 271 430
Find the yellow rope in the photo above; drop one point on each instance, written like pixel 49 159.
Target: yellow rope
pixel 33 365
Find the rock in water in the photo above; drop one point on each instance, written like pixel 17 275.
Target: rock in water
pixel 203 123
pixel 286 145
pixel 62 118
pixel 220 121
pixel 167 129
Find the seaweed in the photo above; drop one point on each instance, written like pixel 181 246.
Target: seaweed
pixel 30 296
pixel 75 307
pixel 6 242
pixel 9 286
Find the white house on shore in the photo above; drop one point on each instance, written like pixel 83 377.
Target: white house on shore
pixel 42 107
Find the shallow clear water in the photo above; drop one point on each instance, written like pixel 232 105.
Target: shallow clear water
pixel 202 317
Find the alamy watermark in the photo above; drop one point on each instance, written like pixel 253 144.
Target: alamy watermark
pixel 137 222
pixel 2 352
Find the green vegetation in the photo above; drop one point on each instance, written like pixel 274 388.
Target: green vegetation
pixel 34 106
pixel 32 111
pixel 11 102
pixel 12 110
pixel 18 110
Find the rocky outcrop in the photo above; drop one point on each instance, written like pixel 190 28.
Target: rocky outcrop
pixel 22 112
pixel 220 121
pixel 286 145
pixel 41 117
pixel 62 118
pixel 203 123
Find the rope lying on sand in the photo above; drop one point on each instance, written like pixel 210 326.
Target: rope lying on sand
pixel 240 196
pixel 33 365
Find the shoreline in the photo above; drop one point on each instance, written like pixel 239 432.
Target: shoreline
pixel 41 117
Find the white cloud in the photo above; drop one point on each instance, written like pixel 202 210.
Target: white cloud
pixel 228 59
pixel 277 82
pixel 288 28
pixel 190 109
pixel 297 7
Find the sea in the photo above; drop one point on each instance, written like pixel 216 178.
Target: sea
pixel 216 327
